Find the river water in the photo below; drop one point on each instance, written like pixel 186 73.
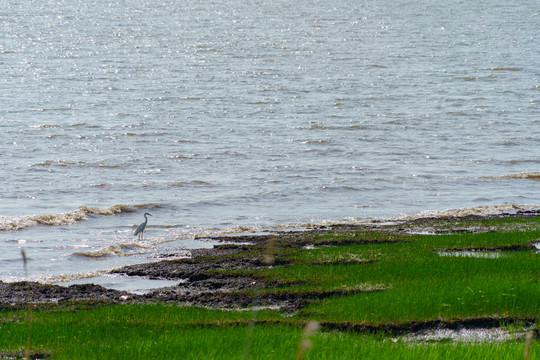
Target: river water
pixel 227 116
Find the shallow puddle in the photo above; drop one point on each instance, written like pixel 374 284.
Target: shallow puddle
pixel 465 335
pixel 132 284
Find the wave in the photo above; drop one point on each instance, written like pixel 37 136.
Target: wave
pixel 535 175
pixel 59 163
pixel 57 278
pixel 190 183
pixel 117 249
pixel 65 218
pixel 505 69
pixel 482 210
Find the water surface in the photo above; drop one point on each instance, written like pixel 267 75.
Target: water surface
pixel 226 116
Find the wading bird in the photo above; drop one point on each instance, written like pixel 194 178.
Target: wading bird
pixel 140 228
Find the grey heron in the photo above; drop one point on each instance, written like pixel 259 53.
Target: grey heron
pixel 140 228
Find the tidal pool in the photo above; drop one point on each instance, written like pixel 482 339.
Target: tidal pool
pixel 132 284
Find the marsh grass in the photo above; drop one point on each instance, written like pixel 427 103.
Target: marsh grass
pixel 136 331
pixel 410 282
pixel 82 335
pixel 424 285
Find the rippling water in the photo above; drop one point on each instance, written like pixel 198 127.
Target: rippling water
pixel 232 115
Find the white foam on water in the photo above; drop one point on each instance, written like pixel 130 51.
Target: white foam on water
pixel 481 210
pixel 532 175
pixel 122 249
pixel 14 223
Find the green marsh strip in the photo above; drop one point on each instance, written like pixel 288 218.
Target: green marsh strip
pixel 410 288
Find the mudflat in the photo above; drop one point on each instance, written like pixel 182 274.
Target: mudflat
pixel 224 276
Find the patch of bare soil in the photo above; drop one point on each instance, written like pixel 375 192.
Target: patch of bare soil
pixel 33 292
pixel 287 300
pixel 492 248
pixel 487 322
pixel 21 354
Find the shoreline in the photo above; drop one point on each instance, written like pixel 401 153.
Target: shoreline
pixel 198 286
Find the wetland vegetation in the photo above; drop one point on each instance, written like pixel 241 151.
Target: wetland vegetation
pixel 370 291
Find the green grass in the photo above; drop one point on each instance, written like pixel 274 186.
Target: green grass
pixel 423 284
pixel 419 285
pixel 114 333
pixel 131 331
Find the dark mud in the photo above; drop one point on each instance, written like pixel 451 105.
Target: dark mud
pixel 495 248
pixel 21 354
pixel 404 328
pixel 33 292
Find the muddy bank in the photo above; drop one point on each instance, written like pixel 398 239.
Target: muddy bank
pixel 207 278
pixel 226 275
pixel 33 292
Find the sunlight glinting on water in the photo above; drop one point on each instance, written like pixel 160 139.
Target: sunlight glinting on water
pixel 230 116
